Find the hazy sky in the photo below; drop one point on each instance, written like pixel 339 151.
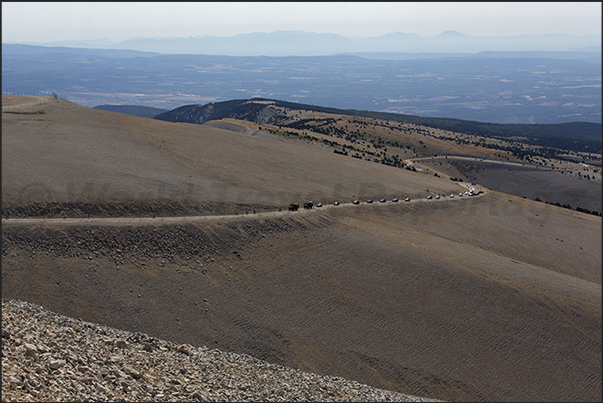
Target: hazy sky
pixel 46 22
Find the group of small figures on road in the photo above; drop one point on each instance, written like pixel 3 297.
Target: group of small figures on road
pixel 309 205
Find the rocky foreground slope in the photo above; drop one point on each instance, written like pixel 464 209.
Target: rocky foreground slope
pixel 49 357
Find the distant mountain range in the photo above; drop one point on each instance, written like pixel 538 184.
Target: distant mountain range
pixel 300 43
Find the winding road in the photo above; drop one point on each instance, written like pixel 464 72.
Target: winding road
pixel 191 219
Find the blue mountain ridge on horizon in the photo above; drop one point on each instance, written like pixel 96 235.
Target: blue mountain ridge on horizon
pixel 301 43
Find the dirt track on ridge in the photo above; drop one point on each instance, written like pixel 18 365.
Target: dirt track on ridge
pixel 194 218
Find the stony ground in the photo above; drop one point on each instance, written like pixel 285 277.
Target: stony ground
pixel 49 357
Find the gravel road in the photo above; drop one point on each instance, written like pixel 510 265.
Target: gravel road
pixel 190 219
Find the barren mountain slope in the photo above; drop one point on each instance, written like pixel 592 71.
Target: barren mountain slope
pixel 462 301
pixel 567 175
pixel 71 153
pixel 489 298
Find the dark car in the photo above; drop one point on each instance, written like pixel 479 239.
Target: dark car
pixel 369 201
pixel 318 204
pixel 407 199
pixel 293 207
pixel 336 203
pixel 395 200
pixel 382 201
pixel 355 202
pixel 430 197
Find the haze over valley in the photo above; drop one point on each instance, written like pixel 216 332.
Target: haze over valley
pixel 556 80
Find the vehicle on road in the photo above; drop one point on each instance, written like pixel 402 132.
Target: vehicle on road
pixel 356 202
pixel 429 197
pixel 395 200
pixel 382 201
pixel 293 207
pixel 407 199
pixel 318 204
pixel 336 203
pixel 369 201
pixel 308 205
pixel 437 196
